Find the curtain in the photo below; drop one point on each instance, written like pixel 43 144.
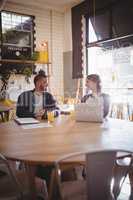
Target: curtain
pixel 77 13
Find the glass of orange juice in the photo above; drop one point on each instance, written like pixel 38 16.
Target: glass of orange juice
pixel 72 114
pixel 50 115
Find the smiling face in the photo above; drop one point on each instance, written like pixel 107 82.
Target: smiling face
pixel 91 85
pixel 41 84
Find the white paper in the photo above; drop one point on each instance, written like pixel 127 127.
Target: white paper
pixel 32 126
pixel 66 108
pixel 28 120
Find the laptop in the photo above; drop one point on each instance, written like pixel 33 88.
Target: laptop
pixel 89 112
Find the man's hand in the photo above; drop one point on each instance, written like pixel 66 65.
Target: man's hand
pixel 39 114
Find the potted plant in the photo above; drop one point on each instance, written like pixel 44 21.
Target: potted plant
pixel 6 71
pixel 4 77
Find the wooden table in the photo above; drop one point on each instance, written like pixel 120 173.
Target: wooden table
pixel 45 145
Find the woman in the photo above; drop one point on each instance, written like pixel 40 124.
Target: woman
pixel 93 84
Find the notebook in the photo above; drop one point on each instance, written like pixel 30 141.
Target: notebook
pixel 29 120
pixel 89 112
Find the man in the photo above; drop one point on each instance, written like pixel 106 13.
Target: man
pixel 35 103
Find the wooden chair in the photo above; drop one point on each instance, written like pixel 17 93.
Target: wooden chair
pixel 7 110
pixel 99 177
pixel 120 111
pixel 122 165
pixel 13 184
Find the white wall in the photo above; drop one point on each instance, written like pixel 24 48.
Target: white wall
pixel 67 31
pixel 49 27
pixel 70 85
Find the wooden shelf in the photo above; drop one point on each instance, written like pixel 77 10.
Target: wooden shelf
pixel 38 62
pixel 16 61
pixel 22 61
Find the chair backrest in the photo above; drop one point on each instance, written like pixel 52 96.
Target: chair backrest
pixel 5 168
pixel 99 172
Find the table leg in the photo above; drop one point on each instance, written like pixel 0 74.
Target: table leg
pixel 31 170
pixel 53 189
pixel 7 116
pixel 2 117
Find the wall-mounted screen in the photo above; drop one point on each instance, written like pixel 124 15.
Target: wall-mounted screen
pixel 17 35
pixel 17 38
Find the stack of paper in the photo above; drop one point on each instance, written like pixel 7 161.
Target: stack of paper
pixel 33 126
pixel 22 121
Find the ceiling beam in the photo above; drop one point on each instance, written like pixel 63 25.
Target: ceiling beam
pixel 2 4
pixel 44 4
pixel 35 5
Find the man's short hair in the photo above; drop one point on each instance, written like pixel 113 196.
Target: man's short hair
pixel 41 74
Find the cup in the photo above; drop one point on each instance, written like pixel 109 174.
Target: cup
pixel 50 115
pixel 72 114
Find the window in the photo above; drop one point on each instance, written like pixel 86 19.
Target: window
pixel 110 49
pixel 110 22
pixel 115 67
pixel 99 24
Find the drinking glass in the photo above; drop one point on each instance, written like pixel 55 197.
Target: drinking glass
pixel 50 115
